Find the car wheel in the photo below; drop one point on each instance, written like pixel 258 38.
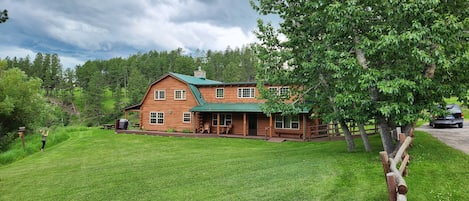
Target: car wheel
pixel 460 125
pixel 434 125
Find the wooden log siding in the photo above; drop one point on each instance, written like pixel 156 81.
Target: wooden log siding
pixel 397 187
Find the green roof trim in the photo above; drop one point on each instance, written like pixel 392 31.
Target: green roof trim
pixel 233 107
pixel 198 96
pixel 194 80
pixel 227 107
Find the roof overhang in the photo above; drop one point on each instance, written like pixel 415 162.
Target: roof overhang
pixel 232 107
pixel 133 108
pixel 227 107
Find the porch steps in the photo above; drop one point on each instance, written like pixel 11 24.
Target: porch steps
pixel 276 139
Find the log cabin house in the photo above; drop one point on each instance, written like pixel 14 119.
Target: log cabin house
pixel 198 105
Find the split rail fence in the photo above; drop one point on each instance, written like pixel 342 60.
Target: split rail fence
pixel 397 187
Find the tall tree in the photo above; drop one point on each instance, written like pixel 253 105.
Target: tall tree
pixel 94 96
pixel 3 16
pixel 383 60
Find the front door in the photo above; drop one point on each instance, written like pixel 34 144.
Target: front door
pixel 252 124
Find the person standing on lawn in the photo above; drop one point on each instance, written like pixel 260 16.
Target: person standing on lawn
pixel 44 135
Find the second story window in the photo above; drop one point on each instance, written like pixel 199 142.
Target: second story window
pixel 248 92
pixel 179 94
pixel 220 93
pixel 160 95
pixel 284 91
pixel 273 90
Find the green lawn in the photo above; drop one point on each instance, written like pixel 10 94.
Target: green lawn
pixel 95 164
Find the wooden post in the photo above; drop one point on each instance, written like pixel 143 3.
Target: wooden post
pixel 391 182
pixel 385 162
pixel 21 135
pixel 244 124
pixel 218 124
pixel 270 126
pixel 194 122
pixel 304 126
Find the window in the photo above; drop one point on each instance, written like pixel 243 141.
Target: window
pixel 179 94
pixel 160 94
pixel 273 90
pixel 225 119
pixel 156 118
pixel 284 91
pixel 220 93
pixel 186 117
pixel 290 122
pixel 281 91
pixel 246 92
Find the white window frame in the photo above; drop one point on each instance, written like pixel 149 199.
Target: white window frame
pixel 225 119
pixel 273 90
pixel 157 117
pixel 284 91
pixel 246 92
pixel 180 94
pixel 222 91
pixel 159 94
pixel 186 117
pixel 287 122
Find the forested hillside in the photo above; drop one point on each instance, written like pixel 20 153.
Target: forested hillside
pixel 99 89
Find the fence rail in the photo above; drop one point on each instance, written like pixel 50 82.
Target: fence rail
pixel 397 187
pixel 334 129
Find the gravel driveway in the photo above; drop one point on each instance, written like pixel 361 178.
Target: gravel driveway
pixel 455 137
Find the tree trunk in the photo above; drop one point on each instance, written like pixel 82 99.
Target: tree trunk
pixel 364 136
pixel 348 136
pixel 385 132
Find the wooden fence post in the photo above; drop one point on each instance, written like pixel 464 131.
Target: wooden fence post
pixel 397 187
pixel 391 182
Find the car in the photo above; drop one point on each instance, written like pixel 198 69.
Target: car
pixel 455 117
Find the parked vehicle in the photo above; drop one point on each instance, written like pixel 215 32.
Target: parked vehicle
pixel 455 117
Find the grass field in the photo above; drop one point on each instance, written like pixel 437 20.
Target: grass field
pixel 95 164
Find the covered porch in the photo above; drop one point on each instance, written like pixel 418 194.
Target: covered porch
pixel 248 119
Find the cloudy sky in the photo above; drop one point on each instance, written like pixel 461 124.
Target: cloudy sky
pixel 81 30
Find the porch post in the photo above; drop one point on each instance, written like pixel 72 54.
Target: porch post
pixel 218 124
pixel 244 124
pixel 194 120
pixel 270 125
pixel 304 127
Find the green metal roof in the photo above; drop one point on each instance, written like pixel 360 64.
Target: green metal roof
pixel 194 80
pixel 227 107
pixel 198 96
pixel 233 107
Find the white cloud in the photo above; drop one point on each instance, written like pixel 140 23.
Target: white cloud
pixel 89 29
pixel 13 51
pixel 70 62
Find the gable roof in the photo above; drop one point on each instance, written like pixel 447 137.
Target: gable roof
pixel 203 106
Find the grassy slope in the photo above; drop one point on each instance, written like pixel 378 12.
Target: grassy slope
pixel 94 164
